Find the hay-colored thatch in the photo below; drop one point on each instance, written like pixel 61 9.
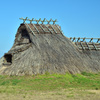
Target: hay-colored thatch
pixel 36 51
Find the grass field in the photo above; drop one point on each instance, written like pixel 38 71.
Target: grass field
pixel 84 86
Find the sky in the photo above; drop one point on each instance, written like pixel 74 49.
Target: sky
pixel 77 18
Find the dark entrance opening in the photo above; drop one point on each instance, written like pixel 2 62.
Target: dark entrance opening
pixel 8 58
pixel 25 35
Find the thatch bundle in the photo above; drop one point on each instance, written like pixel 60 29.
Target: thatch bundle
pixel 43 48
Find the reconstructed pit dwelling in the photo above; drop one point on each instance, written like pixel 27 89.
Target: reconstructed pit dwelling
pixel 41 48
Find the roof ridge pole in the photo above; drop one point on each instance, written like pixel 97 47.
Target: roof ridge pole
pixel 51 25
pixel 39 24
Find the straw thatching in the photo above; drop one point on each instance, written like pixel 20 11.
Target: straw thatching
pixel 43 48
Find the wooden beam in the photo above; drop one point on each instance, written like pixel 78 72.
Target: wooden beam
pixel 30 28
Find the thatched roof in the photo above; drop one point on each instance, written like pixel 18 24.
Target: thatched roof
pixel 42 48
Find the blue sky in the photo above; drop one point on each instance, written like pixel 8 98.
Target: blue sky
pixel 77 18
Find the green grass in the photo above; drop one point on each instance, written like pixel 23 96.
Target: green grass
pixel 18 84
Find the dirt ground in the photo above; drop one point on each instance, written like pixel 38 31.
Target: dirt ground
pixel 70 94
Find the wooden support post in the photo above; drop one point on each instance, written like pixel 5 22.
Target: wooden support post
pixel 94 46
pixel 87 45
pixel 58 28
pixel 78 39
pixel 23 19
pixel 70 38
pixel 98 40
pixel 84 39
pixel 73 39
pixel 30 29
pixel 41 27
pixel 91 40
pixel 82 46
pixel 76 43
pixel 48 28
pixel 53 28
pixel 35 28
